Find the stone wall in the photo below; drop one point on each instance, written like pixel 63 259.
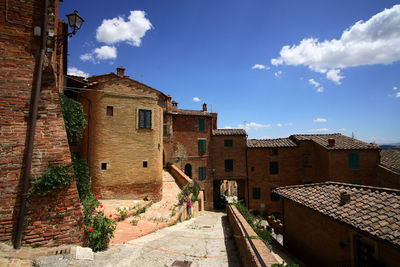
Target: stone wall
pixel 56 220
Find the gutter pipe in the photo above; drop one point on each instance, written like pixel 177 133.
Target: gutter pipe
pixel 31 130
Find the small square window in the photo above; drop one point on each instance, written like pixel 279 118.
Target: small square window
pixel 252 169
pixel 273 167
pixel 104 166
pixel 228 143
pixel 110 111
pixel 145 164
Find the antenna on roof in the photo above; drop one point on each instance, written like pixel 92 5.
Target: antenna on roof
pixel 210 108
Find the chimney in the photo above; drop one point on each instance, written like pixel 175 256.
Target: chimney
pixel 331 142
pixel 344 197
pixel 204 107
pixel 120 71
pixel 174 106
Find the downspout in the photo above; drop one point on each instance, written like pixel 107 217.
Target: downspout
pixel 31 130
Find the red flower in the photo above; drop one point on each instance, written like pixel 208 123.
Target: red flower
pixel 90 229
pixel 101 205
pixel 88 207
pixel 97 196
pixel 110 215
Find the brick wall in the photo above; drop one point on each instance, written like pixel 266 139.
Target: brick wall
pixel 289 173
pixel 19 51
pixel 319 241
pixel 118 142
pixel 387 178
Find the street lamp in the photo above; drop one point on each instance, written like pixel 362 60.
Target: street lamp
pixel 75 22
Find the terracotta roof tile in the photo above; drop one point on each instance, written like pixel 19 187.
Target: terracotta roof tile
pixel 341 141
pixel 266 143
pixel 229 132
pixel 391 159
pixel 190 112
pixel 370 209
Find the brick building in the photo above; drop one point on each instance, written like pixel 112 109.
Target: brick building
pixel 31 73
pixel 187 139
pixel 304 159
pixel 388 172
pixel 124 137
pixel 337 224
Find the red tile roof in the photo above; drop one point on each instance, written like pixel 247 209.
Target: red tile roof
pixel 229 132
pixel 341 141
pixel 190 112
pixel 391 160
pixel 267 143
pixel 370 209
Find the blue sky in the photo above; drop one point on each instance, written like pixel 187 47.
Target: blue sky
pixel 275 68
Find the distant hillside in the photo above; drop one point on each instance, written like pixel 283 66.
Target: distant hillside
pixel 391 146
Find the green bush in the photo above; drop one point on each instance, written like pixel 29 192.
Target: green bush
pixel 57 176
pixel 123 212
pixel 74 118
pixel 196 191
pixel 82 176
pixel 98 227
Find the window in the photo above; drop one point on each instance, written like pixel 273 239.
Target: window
pixel 202 173
pixel 256 193
pixel 104 166
pixel 110 111
pixel 273 167
pixel 252 169
pixel 202 145
pixel 144 118
pixel 274 197
pixel 229 165
pixel 145 164
pixel 354 161
pixel 202 125
pixel 228 143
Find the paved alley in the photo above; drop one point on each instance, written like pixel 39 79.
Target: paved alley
pixel 205 241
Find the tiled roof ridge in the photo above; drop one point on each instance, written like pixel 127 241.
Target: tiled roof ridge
pixel 266 139
pixel 376 188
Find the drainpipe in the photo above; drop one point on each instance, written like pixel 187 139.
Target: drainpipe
pixel 31 130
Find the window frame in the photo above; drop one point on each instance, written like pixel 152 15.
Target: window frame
pixel 147 125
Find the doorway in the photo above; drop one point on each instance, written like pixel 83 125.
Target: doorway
pixel 188 170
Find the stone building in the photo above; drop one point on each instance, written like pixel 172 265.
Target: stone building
pixel 124 137
pixel 337 224
pixel 388 172
pixel 32 66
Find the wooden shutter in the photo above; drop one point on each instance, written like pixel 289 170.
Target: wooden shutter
pixel 354 161
pixel 202 125
pixel 141 118
pixel 148 119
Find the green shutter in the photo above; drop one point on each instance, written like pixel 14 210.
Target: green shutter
pixel 202 125
pixel 202 173
pixel 228 143
pixel 144 118
pixel 354 161
pixel 202 144
pixel 256 193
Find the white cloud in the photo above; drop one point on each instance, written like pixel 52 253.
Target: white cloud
pixel 394 88
pixel 76 72
pixel 313 82
pixel 320 130
pixel 320 120
pixel 86 57
pixel 376 41
pixel 196 99
pixel 105 52
pixel 334 75
pixel 320 89
pixel 253 126
pixel 398 95
pixel 260 67
pixel 118 29
pixel 279 124
pixel 278 74
pixel 227 127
